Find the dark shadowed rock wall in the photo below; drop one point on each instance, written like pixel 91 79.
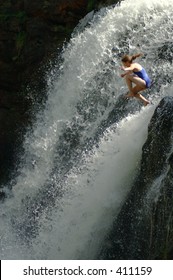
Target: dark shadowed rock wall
pixel 31 31
pixel 144 227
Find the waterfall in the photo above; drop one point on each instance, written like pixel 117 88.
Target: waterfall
pixel 83 152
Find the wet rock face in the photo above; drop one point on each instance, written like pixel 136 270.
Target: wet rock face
pixel 144 227
pixel 159 140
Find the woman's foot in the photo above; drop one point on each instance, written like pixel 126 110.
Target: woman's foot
pixel 129 94
pixel 146 102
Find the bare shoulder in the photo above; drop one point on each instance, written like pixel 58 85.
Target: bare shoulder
pixel 137 67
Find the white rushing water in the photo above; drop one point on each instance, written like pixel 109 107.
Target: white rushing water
pixel 66 196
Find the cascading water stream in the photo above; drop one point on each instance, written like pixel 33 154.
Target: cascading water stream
pixel 84 150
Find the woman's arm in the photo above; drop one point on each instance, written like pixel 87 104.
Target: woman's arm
pixel 128 70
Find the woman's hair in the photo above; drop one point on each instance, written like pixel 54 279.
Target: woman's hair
pixel 130 58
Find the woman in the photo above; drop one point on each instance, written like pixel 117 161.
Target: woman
pixel 135 73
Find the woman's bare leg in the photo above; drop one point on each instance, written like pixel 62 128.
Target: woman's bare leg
pixel 134 79
pixel 134 91
pixel 129 82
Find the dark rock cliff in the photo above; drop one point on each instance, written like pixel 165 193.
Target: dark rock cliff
pixel 31 31
pixel 144 226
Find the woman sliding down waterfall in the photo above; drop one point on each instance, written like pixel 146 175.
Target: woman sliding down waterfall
pixel 135 73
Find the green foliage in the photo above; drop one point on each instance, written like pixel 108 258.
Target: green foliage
pixel 20 41
pixel 21 16
pixel 64 30
pixel 90 6
pixel 46 4
pixel 6 16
